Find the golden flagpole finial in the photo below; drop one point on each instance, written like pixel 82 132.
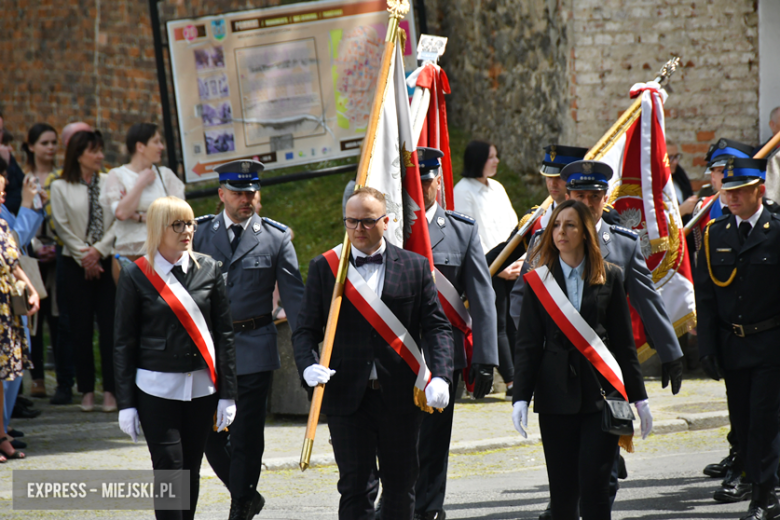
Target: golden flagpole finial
pixel 398 8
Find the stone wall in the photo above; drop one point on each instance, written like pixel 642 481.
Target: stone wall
pixel 527 72
pixel 507 62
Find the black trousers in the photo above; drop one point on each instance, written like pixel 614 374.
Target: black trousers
pixel 37 348
pixel 579 457
pixel 434 450
pixel 506 365
pixel 86 300
pixel 754 406
pixel 357 441
pixel 176 433
pixel 236 456
pixel 62 348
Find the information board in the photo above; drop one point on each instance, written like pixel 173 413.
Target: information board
pixel 286 85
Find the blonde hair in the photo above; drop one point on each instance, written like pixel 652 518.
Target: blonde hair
pixel 162 213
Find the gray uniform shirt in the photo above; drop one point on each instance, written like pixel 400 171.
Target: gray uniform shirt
pixel 621 247
pixel 458 255
pixel 264 256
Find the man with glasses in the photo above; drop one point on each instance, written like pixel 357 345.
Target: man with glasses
pixel 254 253
pixel 369 387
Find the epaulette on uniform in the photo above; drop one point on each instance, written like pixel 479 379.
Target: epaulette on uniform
pixel 608 208
pixel 461 217
pixel 538 232
pixel 281 227
pixel 722 218
pixel 624 231
pixel 204 218
pixel 531 211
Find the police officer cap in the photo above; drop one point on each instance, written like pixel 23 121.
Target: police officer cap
pixel 743 172
pixel 428 158
pixel 587 175
pixel 240 175
pixel 556 157
pixel 720 152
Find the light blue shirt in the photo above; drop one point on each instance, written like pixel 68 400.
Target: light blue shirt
pixel 574 282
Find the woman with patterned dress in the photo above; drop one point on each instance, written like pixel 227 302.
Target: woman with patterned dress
pixel 13 342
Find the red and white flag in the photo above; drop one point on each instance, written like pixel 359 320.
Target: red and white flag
pixel 642 192
pixel 393 168
pixel 429 114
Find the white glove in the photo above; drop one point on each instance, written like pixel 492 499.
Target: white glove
pixel 437 393
pixel 129 423
pixel 645 417
pixel 317 375
pixel 226 413
pixel 520 417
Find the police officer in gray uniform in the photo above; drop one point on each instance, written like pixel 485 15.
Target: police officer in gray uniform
pixel 458 256
pixel 254 253
pixel 588 181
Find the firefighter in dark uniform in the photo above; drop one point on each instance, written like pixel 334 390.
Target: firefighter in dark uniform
pixel 738 305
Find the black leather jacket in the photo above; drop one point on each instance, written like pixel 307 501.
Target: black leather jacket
pixel 148 335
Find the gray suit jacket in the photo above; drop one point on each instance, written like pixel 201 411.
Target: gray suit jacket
pixel 457 253
pixel 621 247
pixel 264 256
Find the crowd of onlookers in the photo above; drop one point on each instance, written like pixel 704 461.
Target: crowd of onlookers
pixel 62 232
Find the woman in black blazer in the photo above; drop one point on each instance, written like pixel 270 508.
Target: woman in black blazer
pixel 565 385
pixel 173 354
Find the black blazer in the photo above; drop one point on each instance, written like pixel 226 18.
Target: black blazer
pixel 550 368
pixel 410 293
pixel 148 335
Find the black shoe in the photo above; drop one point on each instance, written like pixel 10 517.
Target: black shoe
pixel 719 469
pixel 763 505
pixel 431 515
pixel 24 412
pixel 62 396
pixel 240 509
pixel 24 401
pixel 258 502
pixel 733 489
pixel 547 513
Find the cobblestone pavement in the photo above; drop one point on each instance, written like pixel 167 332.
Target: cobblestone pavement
pixel 485 446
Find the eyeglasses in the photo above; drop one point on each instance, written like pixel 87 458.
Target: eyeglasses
pixel 677 156
pixel 368 223
pixel 179 226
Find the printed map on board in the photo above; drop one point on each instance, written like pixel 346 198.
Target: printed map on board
pixel 355 58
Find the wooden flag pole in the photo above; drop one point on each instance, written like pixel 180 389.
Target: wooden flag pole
pixel 598 151
pixel 398 9
pixel 763 152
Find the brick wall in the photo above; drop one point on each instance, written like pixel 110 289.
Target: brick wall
pixel 90 60
pixel 615 43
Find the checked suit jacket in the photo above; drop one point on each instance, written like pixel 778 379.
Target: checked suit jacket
pixel 410 293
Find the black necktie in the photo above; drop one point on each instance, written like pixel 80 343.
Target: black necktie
pixel 237 230
pixel 744 231
pixel 363 260
pixel 178 272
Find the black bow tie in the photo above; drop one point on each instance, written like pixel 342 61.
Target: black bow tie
pixel 363 260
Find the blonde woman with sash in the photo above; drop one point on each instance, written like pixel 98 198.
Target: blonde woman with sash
pixel 174 357
pixel 574 348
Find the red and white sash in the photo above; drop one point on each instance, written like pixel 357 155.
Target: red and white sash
pixel 458 315
pixel 382 319
pixel 574 326
pixel 184 307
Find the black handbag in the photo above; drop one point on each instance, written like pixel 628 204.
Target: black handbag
pixel 617 416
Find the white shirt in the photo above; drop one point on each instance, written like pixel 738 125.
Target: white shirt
pixel 752 220
pixel 374 275
pixel 489 206
pixel 545 218
pixel 176 386
pixel 229 222
pixel 130 234
pixel 430 212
